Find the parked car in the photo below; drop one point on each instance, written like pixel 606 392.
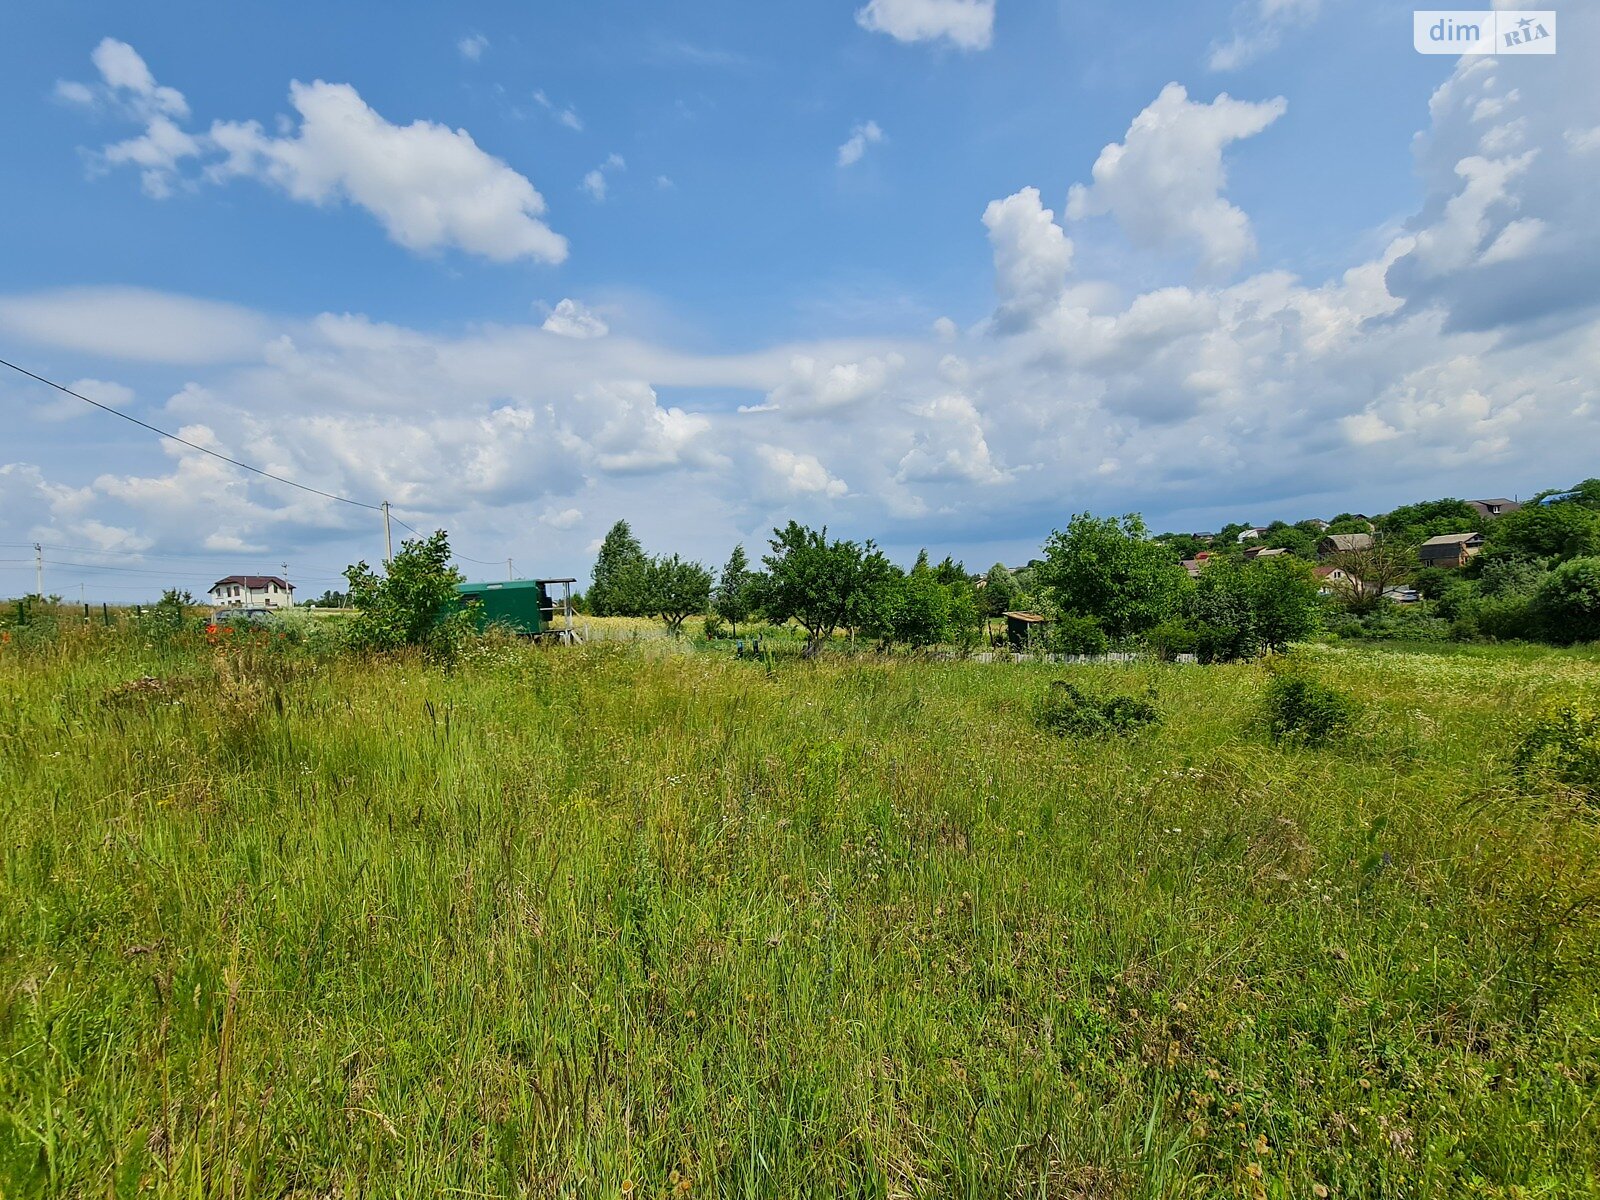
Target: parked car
pixel 242 616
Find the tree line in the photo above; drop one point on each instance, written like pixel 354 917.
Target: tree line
pixel 1102 582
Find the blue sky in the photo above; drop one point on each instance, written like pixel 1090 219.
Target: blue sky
pixel 937 271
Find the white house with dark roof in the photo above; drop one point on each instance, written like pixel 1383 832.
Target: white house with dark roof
pixel 252 591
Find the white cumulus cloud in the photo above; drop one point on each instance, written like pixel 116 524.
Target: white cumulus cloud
pixel 598 181
pixel 863 135
pixel 1163 182
pixel 1032 254
pixel 430 186
pixel 967 24
pixel 574 320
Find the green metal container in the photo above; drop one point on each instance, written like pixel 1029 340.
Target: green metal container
pixel 519 605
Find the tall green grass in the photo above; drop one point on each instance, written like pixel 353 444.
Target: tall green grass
pixel 596 921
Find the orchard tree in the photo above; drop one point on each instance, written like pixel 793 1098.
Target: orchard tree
pixel 821 584
pixel 924 609
pixel 1412 524
pixel 1239 608
pixel 1544 531
pixel 735 596
pixel 1568 602
pixel 617 582
pixel 1390 560
pixel 413 603
pixel 1000 591
pixel 675 589
pixel 1109 569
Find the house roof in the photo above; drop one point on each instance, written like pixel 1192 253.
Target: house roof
pixel 1350 541
pixel 1449 539
pixel 1029 618
pixel 253 582
pixel 1269 551
pixel 1497 501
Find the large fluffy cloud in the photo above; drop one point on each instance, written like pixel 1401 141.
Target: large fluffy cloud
pixel 1163 182
pixel 430 187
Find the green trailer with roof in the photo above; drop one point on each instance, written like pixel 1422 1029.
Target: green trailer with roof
pixel 523 606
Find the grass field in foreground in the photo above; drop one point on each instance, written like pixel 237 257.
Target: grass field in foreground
pixel 594 922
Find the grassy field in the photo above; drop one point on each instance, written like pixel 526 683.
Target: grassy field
pixel 602 922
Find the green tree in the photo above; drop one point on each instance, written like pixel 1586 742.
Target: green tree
pixel 964 623
pixel 1239 609
pixel 1586 494
pixel 414 603
pixel 675 589
pixel 1543 531
pixel 821 584
pixel 1388 562
pixel 1000 591
pixel 1429 518
pixel 924 609
pixel 735 596
pixel 172 609
pixel 1300 542
pixel 616 587
pixel 1348 523
pixel 1567 604
pixel 1109 569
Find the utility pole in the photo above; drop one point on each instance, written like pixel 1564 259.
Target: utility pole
pixel 388 538
pixel 510 574
pixel 38 570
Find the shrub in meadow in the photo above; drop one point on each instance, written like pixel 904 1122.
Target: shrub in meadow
pixel 1562 747
pixel 1171 638
pixel 1074 633
pixel 1071 711
pixel 1303 709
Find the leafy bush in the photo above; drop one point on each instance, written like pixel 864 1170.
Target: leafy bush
pixel 1171 638
pixel 1562 747
pixel 1505 617
pixel 1074 633
pixel 1071 711
pixel 1567 603
pixel 1303 709
pixel 414 603
pixel 1214 643
pixel 1391 622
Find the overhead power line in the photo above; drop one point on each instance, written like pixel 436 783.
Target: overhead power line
pixel 146 556
pixel 304 487
pixel 385 508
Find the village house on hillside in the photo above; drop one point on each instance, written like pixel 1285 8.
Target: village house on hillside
pixel 1253 533
pixel 1343 543
pixel 252 591
pixel 1336 581
pixel 1494 508
pixel 1450 549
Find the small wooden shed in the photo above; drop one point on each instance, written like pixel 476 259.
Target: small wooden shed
pixel 1023 627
